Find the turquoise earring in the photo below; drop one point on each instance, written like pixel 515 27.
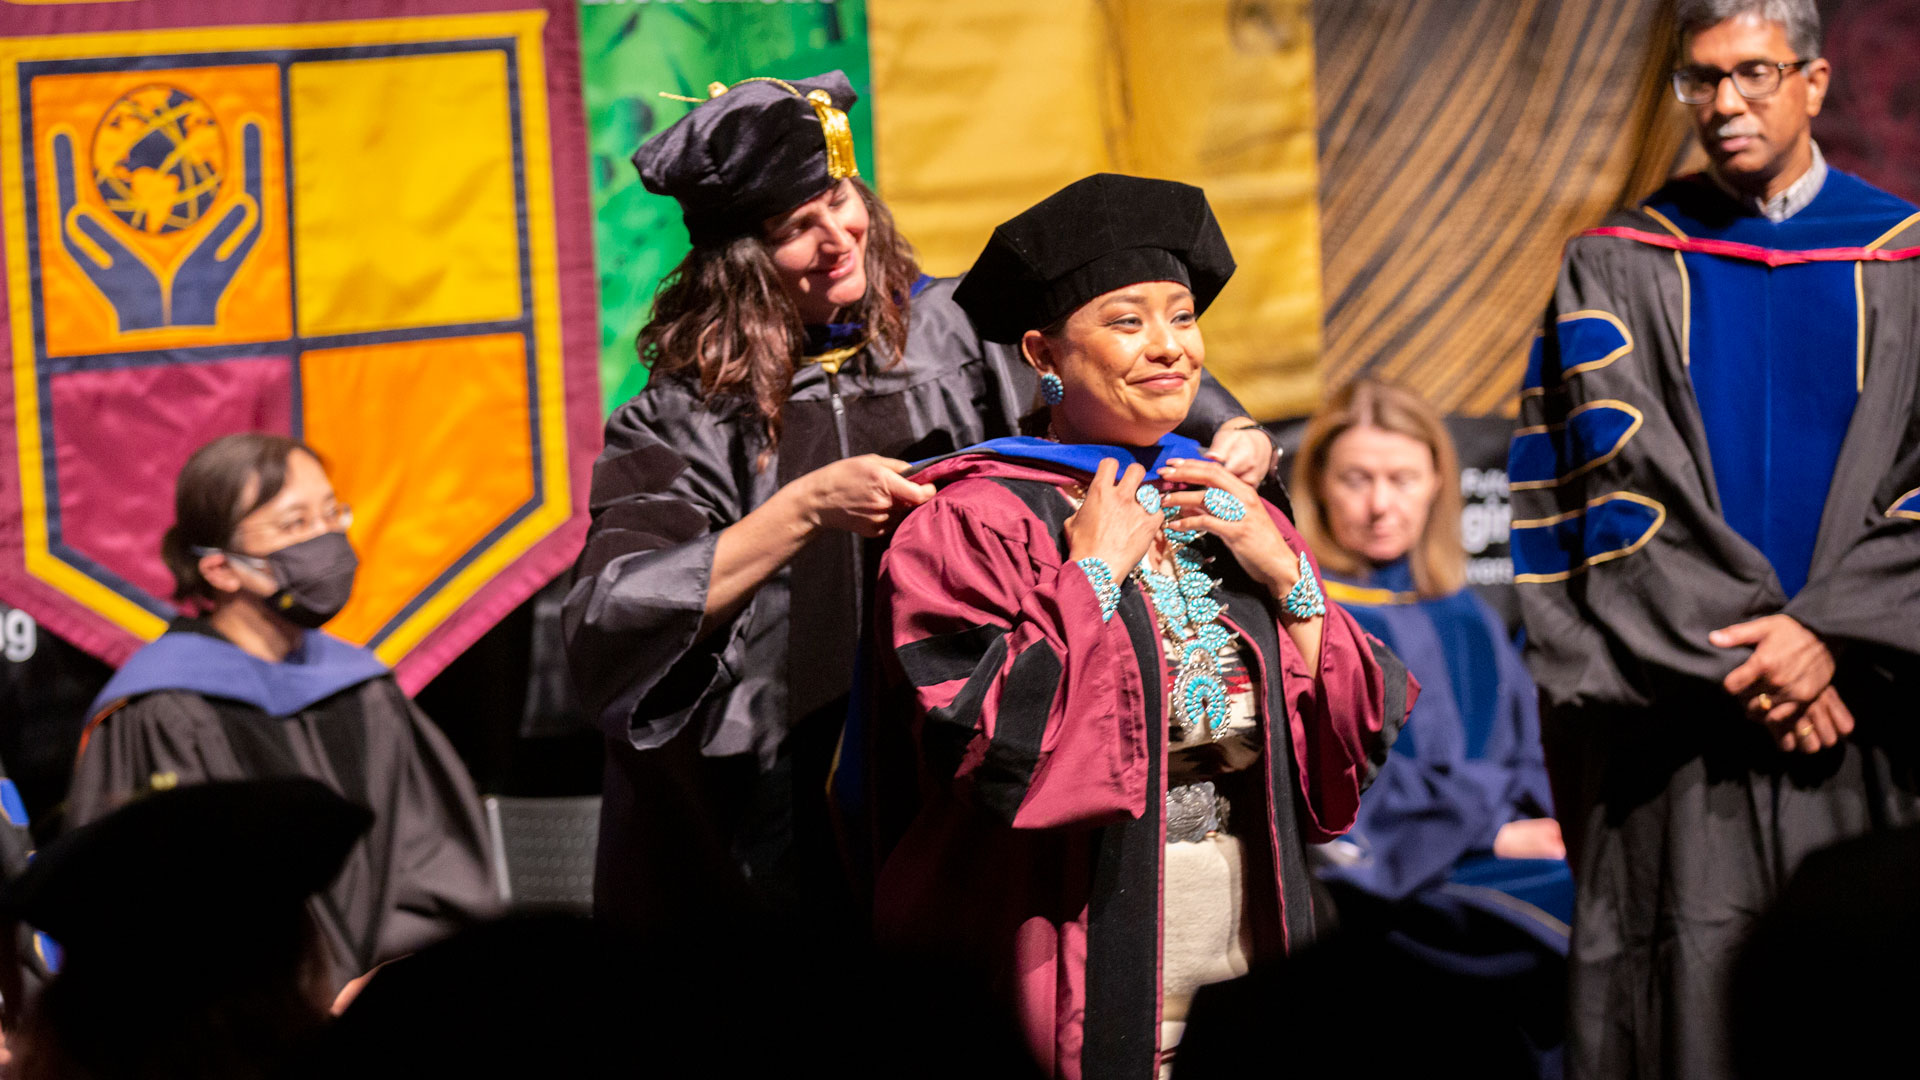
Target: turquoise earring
pixel 1052 390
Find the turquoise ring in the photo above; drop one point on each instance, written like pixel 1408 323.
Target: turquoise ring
pixel 1223 505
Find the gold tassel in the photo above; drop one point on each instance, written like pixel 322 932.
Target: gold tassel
pixel 833 123
pixel 839 133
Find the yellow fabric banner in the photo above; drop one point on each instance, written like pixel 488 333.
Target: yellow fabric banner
pixel 984 108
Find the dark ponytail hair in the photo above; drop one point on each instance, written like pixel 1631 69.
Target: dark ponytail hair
pixel 221 484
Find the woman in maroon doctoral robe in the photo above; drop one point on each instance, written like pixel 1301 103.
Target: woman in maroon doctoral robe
pixel 1130 707
pixel 797 356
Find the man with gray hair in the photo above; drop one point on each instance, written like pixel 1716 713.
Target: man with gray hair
pixel 1716 494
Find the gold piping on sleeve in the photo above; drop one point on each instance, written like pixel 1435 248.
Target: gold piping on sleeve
pixel 1664 223
pixel 1895 511
pixel 1660 519
pixel 1536 391
pixel 1686 313
pixel 1639 419
pixel 1591 365
pixel 1595 365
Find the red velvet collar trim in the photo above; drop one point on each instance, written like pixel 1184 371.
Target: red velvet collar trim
pixel 1754 253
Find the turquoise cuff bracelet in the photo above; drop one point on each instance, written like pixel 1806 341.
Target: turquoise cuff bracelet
pixel 1100 576
pixel 1305 600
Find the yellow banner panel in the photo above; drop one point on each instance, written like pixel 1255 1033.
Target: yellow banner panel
pixel 984 108
pixel 388 418
pixel 380 243
pixel 969 127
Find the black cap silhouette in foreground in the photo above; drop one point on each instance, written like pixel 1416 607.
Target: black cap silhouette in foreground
pixel 187 949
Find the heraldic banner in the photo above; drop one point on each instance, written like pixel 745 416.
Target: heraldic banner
pixel 363 223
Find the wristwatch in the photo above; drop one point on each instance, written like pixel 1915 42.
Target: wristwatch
pixel 1245 422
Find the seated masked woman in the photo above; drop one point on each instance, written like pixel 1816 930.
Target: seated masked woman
pixel 249 688
pixel 1121 703
pixel 798 356
pixel 1460 818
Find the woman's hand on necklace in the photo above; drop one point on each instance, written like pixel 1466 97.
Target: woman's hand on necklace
pixel 1255 540
pixel 1111 524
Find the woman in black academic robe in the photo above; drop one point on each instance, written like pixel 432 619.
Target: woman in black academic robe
pixel 251 689
pixel 800 360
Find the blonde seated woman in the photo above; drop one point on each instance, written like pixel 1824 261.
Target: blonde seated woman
pixel 1460 818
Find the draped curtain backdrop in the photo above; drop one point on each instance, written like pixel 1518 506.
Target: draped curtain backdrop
pixel 1461 144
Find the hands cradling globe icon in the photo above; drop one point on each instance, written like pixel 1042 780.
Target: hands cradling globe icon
pixel 146 297
pixel 158 158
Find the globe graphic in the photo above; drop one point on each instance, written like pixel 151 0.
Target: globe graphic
pixel 158 159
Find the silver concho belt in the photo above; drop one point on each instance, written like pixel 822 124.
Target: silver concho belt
pixel 1193 811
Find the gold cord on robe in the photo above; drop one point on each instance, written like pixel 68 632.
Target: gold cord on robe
pixel 833 359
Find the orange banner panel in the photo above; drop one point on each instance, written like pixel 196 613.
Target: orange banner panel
pixel 162 208
pixel 387 418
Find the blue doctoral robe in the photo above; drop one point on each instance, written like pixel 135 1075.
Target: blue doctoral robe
pixel 1710 434
pixel 1775 358
pixel 1467 763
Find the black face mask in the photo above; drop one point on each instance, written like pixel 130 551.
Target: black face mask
pixel 315 578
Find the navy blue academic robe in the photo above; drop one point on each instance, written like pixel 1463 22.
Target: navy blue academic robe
pixel 1468 762
pixel 192 707
pixel 1718 424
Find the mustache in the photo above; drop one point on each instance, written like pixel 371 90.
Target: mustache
pixel 1734 129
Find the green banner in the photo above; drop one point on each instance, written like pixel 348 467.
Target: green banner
pixel 629 53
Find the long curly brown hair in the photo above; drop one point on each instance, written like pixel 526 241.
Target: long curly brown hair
pixel 723 315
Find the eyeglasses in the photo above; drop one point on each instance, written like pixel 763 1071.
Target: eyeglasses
pixel 299 523
pixel 1754 79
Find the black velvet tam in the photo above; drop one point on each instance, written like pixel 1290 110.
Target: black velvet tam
pixel 206 862
pixel 1092 237
pixel 737 159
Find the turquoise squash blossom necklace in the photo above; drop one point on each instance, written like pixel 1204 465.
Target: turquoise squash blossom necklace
pixel 1190 622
